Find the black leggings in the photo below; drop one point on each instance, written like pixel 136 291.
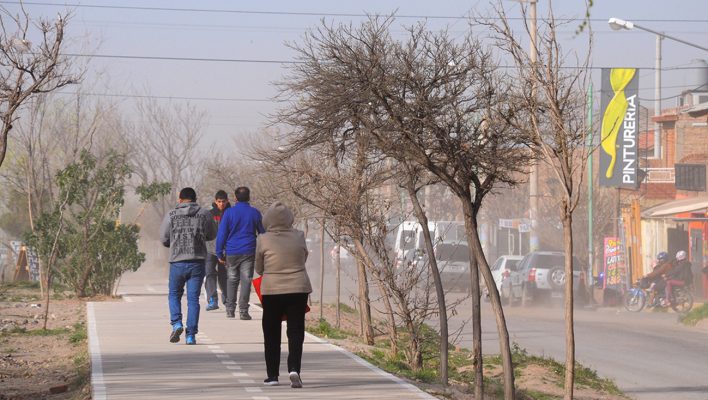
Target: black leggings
pixel 275 306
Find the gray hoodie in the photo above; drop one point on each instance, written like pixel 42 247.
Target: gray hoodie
pixel 185 230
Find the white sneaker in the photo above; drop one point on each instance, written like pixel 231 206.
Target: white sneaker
pixel 295 381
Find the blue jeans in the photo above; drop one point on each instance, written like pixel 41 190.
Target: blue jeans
pixel 190 273
pixel 239 272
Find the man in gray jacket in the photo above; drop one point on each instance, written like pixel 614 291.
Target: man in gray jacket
pixel 185 230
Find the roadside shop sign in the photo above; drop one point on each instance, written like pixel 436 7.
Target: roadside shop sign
pixel 614 263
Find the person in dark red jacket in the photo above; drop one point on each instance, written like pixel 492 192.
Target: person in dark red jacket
pixel 680 275
pixel 216 271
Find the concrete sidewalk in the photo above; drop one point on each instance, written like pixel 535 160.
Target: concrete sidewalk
pixel 132 358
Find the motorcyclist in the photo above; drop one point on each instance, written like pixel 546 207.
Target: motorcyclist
pixel 680 275
pixel 655 278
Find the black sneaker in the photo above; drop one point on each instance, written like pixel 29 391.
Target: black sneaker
pixel 271 381
pixel 230 314
pixel 244 316
pixel 295 381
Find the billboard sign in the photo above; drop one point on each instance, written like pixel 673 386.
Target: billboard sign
pixel 619 129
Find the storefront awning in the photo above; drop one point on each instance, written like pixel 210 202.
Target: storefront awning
pixel 676 207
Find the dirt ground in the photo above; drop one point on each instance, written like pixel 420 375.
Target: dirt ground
pixel 535 379
pixel 32 365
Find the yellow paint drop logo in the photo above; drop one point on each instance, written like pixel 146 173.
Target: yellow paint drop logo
pixel 614 114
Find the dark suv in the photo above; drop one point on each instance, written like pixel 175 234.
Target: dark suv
pixel 541 274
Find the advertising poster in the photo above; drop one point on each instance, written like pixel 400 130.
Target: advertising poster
pixel 614 263
pixel 619 129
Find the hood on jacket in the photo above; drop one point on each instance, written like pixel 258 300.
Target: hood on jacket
pixel 188 208
pixel 278 217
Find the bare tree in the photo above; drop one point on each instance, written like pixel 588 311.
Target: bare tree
pixel 26 68
pixel 441 103
pixel 555 102
pixel 165 146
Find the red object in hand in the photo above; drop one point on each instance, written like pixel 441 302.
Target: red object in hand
pixel 257 286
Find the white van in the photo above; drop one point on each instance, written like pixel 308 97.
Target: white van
pixel 410 240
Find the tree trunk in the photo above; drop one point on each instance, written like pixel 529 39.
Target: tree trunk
pixel 322 265
pixel 569 324
pixel 390 316
pixel 470 224
pixel 477 254
pixel 364 304
pixel 339 283
pixel 440 293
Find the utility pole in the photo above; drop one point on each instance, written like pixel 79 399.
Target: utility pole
pixel 533 180
pixel 590 143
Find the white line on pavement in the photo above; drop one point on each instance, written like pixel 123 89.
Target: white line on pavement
pixel 98 386
pixel 228 362
pixel 253 389
pixel 236 367
pixel 216 351
pixel 213 346
pixel 222 356
pixel 246 381
pixel 237 374
pixel 260 398
pixel 421 394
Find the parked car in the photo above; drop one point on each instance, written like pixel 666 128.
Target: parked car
pixel 539 275
pixel 453 262
pixel 502 269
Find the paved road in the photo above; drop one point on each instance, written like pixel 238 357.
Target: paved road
pixel 133 359
pixel 650 355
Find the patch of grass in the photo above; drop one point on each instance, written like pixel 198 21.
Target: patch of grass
pixel 695 315
pixel 534 395
pixel 20 285
pixel 79 335
pixel 584 376
pixel 38 332
pixel 83 371
pixel 343 307
pixel 324 329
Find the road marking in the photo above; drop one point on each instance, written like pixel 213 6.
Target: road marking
pixel 150 288
pixel 238 374
pixel 260 398
pixel 215 351
pixel 128 299
pixel 228 362
pixel 421 394
pixel 222 356
pixel 214 346
pixel 246 381
pixel 253 389
pixel 97 382
pixel 236 367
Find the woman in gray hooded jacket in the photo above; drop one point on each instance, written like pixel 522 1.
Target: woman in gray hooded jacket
pixel 280 258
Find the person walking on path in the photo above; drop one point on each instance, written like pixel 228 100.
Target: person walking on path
pixel 215 270
pixel 236 244
pixel 185 230
pixel 280 258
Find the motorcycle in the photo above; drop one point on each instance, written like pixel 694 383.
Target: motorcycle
pixel 637 296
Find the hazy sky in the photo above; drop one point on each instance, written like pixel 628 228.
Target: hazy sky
pixel 236 95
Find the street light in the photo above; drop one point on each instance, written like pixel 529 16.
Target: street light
pixel 619 24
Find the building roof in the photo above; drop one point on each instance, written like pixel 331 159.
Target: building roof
pixel 673 207
pixel 698 110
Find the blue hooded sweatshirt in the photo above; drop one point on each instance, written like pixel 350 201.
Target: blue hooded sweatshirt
pixel 238 229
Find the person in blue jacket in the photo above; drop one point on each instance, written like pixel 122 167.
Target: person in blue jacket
pixel 236 245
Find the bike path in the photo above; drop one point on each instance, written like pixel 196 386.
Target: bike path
pixel 132 359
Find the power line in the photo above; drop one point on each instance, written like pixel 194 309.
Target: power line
pixel 260 61
pixel 298 13
pixel 232 60
pixel 141 96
